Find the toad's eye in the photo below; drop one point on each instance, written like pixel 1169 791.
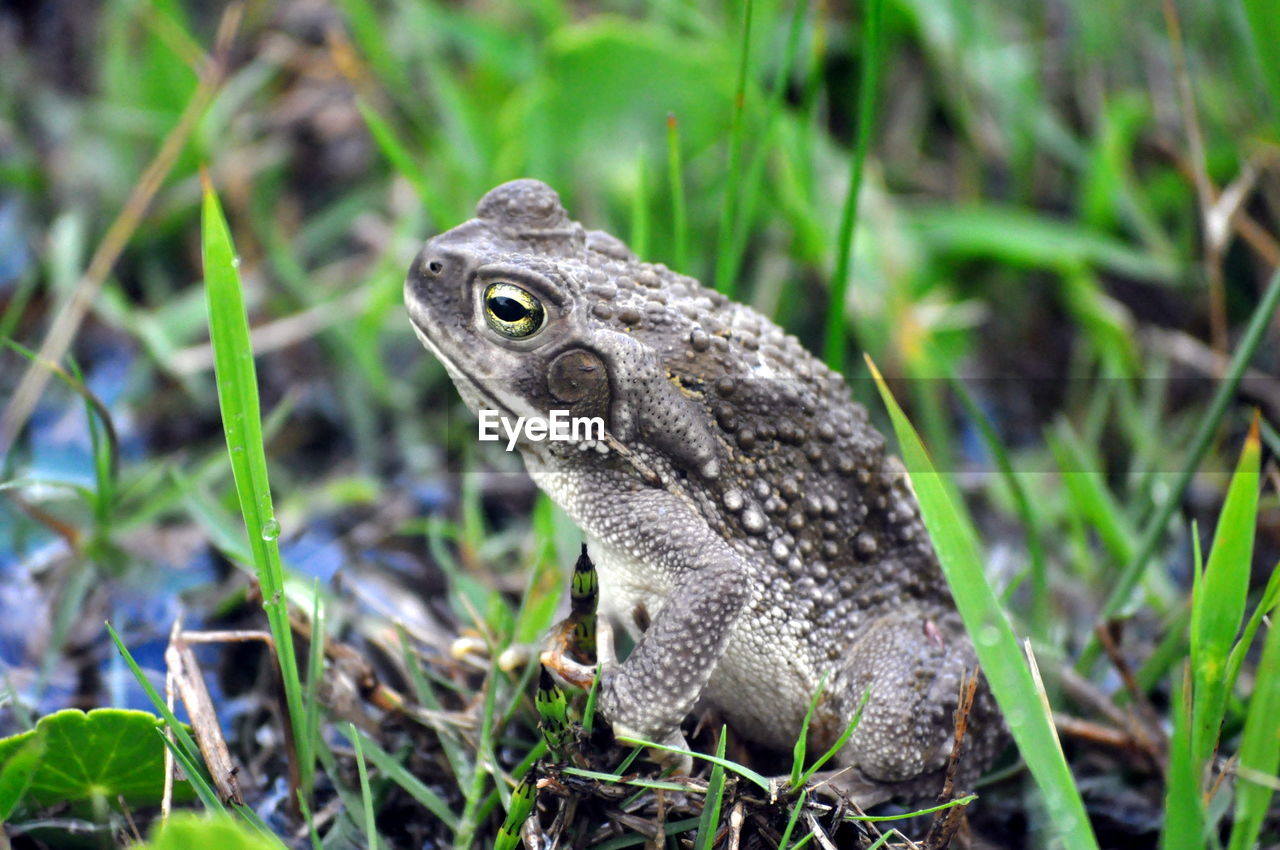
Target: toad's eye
pixel 512 311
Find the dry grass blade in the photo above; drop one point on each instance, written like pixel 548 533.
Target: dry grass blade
pixel 1205 192
pixel 735 826
pixel 276 335
pixel 185 670
pixel 819 834
pixel 948 821
pixel 60 334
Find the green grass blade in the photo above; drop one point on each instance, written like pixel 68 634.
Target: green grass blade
pixel 593 698
pixel 369 36
pixel 399 774
pixel 675 176
pixel 627 761
pixel 518 774
pixel 802 740
pixel 1169 652
pixel 350 802
pixel 401 160
pixel 1184 811
pixel 796 808
pixel 669 829
pixel 315 670
pixel 1218 607
pixel 997 647
pixel 732 187
pixel 17 305
pixel 1260 746
pixel 1040 610
pixel 473 809
pixel 709 822
pixel 454 751
pixel 1270 598
pixel 1020 238
pixel 242 423
pixel 618 777
pixel 1154 531
pixel 309 819
pixel 867 86
pixel 180 732
pixel 393 149
pixel 745 772
pixel 1088 493
pixel 806 148
pixel 103 441
pixel 745 215
pixel 836 747
pixel 1264 26
pixel 366 796
pixel 639 241
pixel 195 774
pixel 950 804
pixel 1270 437
pixel 255 820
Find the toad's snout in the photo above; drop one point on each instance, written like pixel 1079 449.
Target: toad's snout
pixel 447 256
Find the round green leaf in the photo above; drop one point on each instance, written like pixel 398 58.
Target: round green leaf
pixel 187 829
pixel 107 753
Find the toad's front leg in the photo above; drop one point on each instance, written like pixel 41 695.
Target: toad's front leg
pixel 681 586
pixel 649 695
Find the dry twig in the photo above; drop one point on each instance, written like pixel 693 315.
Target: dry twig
pixel 184 670
pixel 1145 727
pixel 947 822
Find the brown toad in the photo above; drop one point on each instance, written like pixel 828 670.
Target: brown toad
pixel 748 528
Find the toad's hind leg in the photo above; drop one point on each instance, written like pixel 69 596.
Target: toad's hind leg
pixel 913 667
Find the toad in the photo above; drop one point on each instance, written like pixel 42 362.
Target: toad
pixel 749 529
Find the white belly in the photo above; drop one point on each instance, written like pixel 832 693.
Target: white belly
pixel 628 586
pixel 754 683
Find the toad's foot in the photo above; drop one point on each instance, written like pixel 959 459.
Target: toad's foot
pixel 848 783
pixel 557 658
pixel 681 763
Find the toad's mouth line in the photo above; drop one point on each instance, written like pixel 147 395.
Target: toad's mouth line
pixel 457 371
pixel 459 374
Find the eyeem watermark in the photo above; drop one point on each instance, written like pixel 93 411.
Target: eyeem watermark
pixel 558 426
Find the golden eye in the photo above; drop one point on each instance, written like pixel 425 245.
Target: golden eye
pixel 512 311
